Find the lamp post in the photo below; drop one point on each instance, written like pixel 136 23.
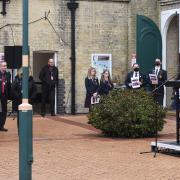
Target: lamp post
pixel 72 6
pixel 25 109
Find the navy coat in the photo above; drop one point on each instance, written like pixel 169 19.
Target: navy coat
pixel 92 86
pixel 105 87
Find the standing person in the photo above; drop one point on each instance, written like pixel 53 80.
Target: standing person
pixel 5 89
pixel 135 74
pixel 32 90
pixel 161 78
pixel 174 103
pixel 16 91
pixel 92 86
pixel 49 78
pixel 105 83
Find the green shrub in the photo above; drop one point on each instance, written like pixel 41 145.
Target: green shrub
pixel 127 113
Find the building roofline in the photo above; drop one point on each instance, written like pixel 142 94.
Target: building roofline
pixel 168 2
pixel 119 1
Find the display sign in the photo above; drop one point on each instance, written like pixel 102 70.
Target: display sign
pixel 153 78
pixel 102 62
pixel 1 57
pixel 133 59
pixel 95 100
pixel 135 82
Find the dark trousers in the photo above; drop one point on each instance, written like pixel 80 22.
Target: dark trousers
pixel 48 93
pixel 3 114
pixel 159 99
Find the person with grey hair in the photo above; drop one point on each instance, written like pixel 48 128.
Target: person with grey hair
pixel 5 93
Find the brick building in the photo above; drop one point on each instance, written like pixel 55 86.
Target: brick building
pixel 104 27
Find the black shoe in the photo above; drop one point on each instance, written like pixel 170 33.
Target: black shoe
pixel 53 114
pixel 42 114
pixel 3 129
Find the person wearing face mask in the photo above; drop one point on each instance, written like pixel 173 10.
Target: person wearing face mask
pixel 161 78
pixel 135 74
pixel 5 93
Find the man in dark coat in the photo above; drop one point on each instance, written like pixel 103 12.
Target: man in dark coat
pixel 135 74
pixel 5 89
pixel 161 78
pixel 49 78
pixel 17 91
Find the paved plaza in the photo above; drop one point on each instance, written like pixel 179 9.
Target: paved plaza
pixel 67 148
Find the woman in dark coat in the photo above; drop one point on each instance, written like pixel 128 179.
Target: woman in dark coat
pixel 92 86
pixel 105 83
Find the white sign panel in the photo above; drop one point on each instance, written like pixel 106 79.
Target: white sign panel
pixel 153 78
pixel 102 62
pixel 1 57
pixel 135 82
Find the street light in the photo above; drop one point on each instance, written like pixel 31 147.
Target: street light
pixel 25 109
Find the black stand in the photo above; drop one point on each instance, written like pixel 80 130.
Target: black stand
pixel 171 145
pixel 155 150
pixel 176 85
pixel 11 112
pixel 154 92
pixel 156 123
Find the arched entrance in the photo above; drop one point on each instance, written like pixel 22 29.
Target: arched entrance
pixel 172 53
pixel 170 38
pixel 149 43
pixel 40 59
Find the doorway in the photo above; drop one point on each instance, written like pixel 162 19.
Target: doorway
pixel 149 43
pixel 172 54
pixel 40 59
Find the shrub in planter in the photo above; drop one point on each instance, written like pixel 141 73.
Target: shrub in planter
pixel 127 113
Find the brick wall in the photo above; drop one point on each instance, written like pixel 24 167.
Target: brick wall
pixel 101 27
pixel 147 8
pixel 60 97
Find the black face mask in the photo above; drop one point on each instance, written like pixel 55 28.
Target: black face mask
pixel 136 69
pixel 157 64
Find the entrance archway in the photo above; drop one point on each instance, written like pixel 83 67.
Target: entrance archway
pixel 170 52
pixel 40 59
